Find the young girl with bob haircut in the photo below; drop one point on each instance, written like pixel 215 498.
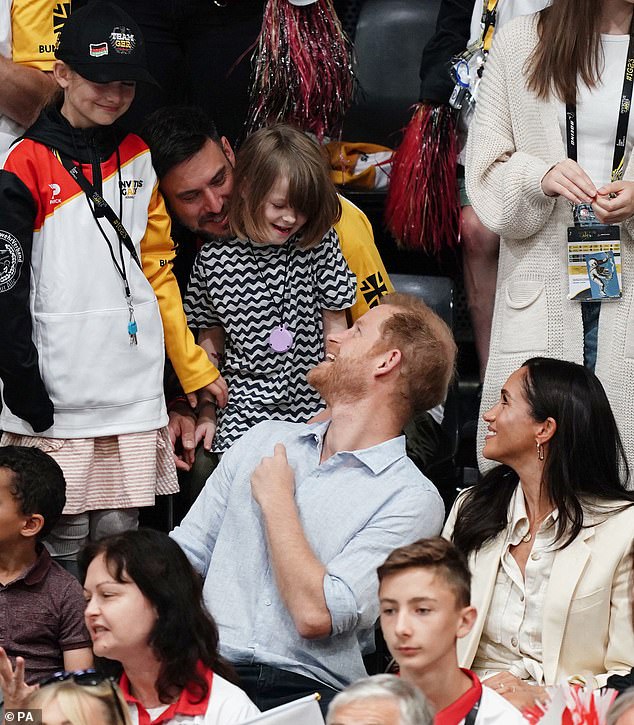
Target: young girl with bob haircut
pixel 548 534
pixel 80 698
pixel 145 610
pixel 265 301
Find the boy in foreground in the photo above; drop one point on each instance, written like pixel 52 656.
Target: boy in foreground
pixel 425 593
pixel 42 626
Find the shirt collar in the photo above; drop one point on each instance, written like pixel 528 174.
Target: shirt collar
pixel 377 458
pixel 460 708
pixel 518 525
pixel 38 570
pixel 185 705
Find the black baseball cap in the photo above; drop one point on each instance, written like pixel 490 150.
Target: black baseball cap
pixel 102 43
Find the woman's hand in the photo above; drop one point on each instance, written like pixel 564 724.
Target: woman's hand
pixel 518 692
pixel 614 202
pixel 14 688
pixel 569 180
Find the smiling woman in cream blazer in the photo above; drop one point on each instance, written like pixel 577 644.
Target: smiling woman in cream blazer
pixel 549 536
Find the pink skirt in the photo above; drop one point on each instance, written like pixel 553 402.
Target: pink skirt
pixel 110 472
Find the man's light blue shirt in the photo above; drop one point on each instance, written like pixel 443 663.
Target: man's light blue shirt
pixel 355 508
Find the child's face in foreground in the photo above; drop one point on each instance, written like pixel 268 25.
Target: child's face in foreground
pixel 281 220
pixel 12 520
pixel 87 104
pixel 421 620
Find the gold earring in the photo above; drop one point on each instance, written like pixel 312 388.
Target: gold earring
pixel 540 451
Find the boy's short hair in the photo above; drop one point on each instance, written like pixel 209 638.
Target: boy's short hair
pixel 437 554
pixel 37 483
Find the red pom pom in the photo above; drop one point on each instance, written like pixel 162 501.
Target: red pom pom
pixel 422 209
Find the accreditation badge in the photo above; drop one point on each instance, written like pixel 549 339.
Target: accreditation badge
pixel 594 261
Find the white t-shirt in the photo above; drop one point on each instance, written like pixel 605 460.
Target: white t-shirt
pixel 495 710
pixel 228 705
pixel 598 113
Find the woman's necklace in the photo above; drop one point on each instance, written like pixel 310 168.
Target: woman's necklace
pixel 527 537
pixel 281 339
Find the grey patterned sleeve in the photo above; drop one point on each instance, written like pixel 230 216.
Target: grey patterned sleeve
pixel 336 284
pixel 198 303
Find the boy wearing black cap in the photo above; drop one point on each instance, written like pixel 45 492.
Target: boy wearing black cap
pixel 87 296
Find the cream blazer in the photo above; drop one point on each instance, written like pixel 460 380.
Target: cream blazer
pixel 587 619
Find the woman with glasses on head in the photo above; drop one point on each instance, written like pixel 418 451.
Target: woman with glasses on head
pixel 145 610
pixel 80 698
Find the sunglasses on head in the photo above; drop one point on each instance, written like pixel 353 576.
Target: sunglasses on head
pixel 87 678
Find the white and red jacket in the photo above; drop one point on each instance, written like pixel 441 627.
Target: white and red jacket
pixel 68 369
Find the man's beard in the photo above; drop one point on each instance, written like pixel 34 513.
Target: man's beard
pixel 339 381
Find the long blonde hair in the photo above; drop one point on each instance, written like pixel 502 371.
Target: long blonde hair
pixel 74 701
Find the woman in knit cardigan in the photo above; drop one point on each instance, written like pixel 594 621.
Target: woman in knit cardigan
pixel 523 187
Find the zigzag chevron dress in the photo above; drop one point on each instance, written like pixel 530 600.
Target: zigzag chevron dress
pixel 238 285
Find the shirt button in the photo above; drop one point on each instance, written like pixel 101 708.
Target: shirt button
pixel 521 597
pixel 536 556
pixel 514 641
pixel 267 602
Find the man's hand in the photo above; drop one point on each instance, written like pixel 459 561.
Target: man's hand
pixel 218 389
pixel 14 688
pixel 518 692
pixel 273 478
pixel 182 430
pixel 614 202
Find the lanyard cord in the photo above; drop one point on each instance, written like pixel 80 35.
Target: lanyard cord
pixel 489 18
pixel 120 268
pixel 268 289
pixel 624 116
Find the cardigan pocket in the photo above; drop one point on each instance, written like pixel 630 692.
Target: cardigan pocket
pixel 524 325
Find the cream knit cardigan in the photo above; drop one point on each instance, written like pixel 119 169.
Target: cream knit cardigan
pixel 513 141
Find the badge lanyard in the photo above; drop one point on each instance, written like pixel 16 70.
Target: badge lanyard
pixel 473 713
pixel 101 208
pixel 624 116
pixel 489 18
pixel 594 249
pixel 281 339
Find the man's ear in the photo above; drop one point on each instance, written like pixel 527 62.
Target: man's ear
pixel 33 525
pixel 227 150
pixel 388 360
pixel 467 620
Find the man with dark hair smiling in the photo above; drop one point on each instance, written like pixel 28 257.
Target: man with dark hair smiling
pixel 195 168
pixel 291 526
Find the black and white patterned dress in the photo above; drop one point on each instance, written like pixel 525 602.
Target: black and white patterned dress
pixel 228 288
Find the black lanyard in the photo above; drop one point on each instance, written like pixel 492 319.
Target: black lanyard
pixel 287 244
pixel 624 116
pixel 100 208
pixel 473 713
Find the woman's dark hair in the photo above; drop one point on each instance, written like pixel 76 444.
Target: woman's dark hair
pixel 585 464
pixel 569 49
pixel 184 632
